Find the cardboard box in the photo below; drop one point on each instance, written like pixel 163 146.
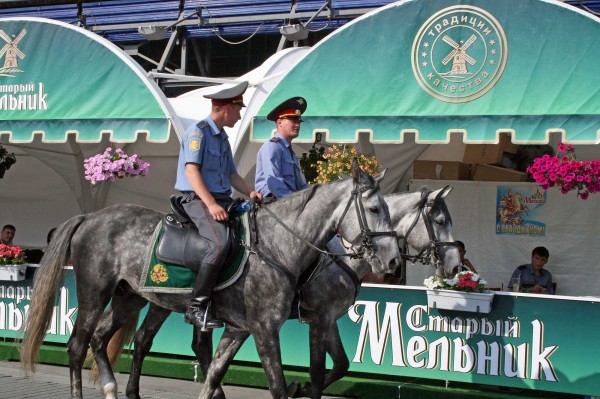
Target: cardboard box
pixel 489 153
pixel 441 170
pixel 497 173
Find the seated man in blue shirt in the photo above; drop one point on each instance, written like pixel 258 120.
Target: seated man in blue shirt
pixel 533 277
pixel 205 175
pixel 278 170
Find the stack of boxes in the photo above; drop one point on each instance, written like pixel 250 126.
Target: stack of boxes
pixel 481 162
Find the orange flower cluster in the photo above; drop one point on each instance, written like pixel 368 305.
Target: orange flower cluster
pixel 337 163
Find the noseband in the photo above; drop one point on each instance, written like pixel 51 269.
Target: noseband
pixel 429 254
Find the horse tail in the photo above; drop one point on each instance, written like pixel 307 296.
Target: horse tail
pixel 122 337
pixel 47 280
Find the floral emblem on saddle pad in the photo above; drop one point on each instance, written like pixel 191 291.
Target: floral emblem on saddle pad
pixel 159 274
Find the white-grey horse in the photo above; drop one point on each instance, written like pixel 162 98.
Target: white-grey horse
pixel 420 217
pixel 108 249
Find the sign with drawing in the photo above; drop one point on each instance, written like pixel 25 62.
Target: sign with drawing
pixel 518 209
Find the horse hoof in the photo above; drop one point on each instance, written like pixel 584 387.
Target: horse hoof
pixel 110 391
pixel 292 389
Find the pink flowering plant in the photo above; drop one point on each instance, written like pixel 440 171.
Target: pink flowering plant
pixel 11 255
pixel 566 172
pixel 114 164
pixel 463 281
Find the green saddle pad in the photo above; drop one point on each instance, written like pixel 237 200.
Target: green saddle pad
pixel 162 277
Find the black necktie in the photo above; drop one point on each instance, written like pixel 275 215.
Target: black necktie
pixel 295 173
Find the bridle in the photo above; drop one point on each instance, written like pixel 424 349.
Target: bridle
pixel 430 254
pixel 365 235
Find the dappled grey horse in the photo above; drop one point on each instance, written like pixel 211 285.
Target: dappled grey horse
pixel 420 217
pixel 107 249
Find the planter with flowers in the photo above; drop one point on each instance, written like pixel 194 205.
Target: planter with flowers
pixel 336 163
pixel 566 173
pixel 466 292
pixel 12 263
pixel 114 164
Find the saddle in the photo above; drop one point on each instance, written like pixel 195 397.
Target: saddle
pixel 182 245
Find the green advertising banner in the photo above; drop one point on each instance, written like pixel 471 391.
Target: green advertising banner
pixel 432 68
pixel 57 79
pixel 546 343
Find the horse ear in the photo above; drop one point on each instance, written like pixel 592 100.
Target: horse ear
pixel 445 191
pixel 356 172
pixel 437 195
pixel 379 177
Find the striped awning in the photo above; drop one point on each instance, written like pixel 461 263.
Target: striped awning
pixel 434 68
pixel 57 80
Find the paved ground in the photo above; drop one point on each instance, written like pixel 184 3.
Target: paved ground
pixel 52 382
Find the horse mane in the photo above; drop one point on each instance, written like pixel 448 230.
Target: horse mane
pixel 299 200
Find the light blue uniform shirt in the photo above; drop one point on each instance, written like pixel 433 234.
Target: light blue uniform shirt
pixel 205 145
pixel 277 171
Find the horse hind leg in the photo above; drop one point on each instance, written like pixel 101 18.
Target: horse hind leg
pixel 114 330
pixel 87 319
pixel 155 317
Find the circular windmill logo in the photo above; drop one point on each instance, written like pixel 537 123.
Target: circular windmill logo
pixel 459 54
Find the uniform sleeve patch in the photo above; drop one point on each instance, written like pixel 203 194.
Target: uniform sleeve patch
pixel 194 141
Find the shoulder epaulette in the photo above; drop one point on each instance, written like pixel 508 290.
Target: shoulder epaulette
pixel 275 139
pixel 202 124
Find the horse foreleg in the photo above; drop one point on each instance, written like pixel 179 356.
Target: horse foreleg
pixel 318 346
pixel 155 317
pixel 202 345
pixel 335 348
pixel 229 345
pixel 341 364
pixel 269 350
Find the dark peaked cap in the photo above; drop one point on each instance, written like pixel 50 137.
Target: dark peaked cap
pixel 291 108
pixel 232 95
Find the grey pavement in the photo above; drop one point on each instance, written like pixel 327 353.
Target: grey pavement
pixel 52 382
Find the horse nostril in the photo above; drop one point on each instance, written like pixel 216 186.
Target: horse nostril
pixel 394 263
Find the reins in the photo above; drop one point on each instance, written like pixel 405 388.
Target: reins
pixel 366 234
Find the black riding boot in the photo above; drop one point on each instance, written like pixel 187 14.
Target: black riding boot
pixel 198 313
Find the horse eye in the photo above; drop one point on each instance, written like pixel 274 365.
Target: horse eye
pixel 374 210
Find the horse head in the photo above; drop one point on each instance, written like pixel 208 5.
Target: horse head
pixel 373 235
pixel 426 225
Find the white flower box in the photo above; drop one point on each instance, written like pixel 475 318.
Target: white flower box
pixel 13 272
pixel 462 301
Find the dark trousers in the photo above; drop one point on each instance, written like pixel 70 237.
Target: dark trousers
pixel 213 231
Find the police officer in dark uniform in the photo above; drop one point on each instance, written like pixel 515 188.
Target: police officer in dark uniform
pixel 205 174
pixel 278 170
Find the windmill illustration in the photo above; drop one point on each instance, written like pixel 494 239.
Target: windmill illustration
pixel 10 51
pixel 459 56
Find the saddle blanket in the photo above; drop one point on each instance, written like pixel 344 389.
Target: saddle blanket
pixel 161 277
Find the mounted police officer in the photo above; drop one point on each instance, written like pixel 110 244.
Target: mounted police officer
pixel 278 170
pixel 205 174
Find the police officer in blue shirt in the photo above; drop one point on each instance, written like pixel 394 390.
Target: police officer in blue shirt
pixel 205 174
pixel 278 170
